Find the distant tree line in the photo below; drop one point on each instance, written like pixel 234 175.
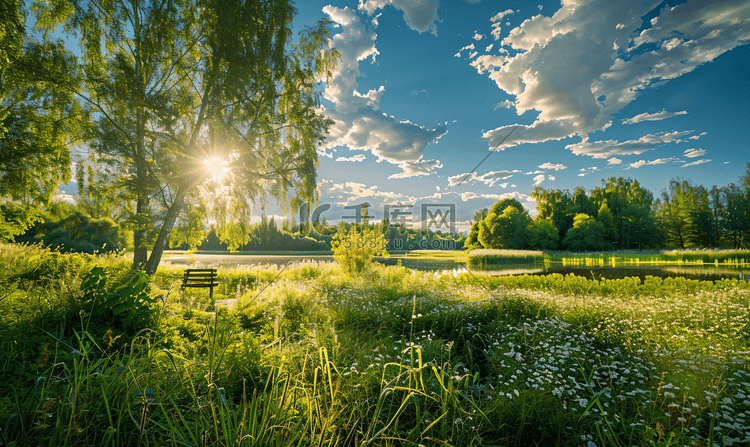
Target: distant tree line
pixel 620 215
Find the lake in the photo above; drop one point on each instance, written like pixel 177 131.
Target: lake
pixel 449 263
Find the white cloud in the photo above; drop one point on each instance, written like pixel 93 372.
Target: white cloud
pixel 468 196
pixel 534 172
pixel 551 178
pixel 581 175
pixel 489 178
pixel 590 59
pixel 419 92
pixel 652 117
pixel 419 15
pixel 496 30
pixel 478 36
pixel 658 161
pixel 414 169
pixel 549 165
pixel 695 163
pixel 609 148
pixel 538 179
pixel 488 48
pixel 614 161
pixel 508 195
pixel 358 123
pixel 355 158
pixel 505 104
pixel 499 16
pixel 694 153
pixel 695 137
pixel 352 192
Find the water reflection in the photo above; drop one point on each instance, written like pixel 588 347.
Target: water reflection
pixel 703 273
pixel 700 272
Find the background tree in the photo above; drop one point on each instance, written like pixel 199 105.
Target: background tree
pixel 182 92
pixel 34 122
pixel 557 206
pixel 543 235
pixel 586 235
pixel 506 229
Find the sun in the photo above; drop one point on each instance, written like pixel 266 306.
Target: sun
pixel 216 168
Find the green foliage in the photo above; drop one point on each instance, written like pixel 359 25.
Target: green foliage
pixel 354 249
pixel 65 228
pixel 543 235
pixel 16 219
pixel 100 297
pixel 312 355
pixel 212 99
pixel 505 226
pixel 587 234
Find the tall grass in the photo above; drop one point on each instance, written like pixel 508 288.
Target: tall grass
pixel 716 257
pixel 481 259
pixel 308 355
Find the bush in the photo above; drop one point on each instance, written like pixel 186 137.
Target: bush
pixel 354 249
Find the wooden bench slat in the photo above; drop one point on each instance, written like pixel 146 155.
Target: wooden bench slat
pixel 200 278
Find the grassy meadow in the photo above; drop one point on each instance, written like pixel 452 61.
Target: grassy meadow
pixel 309 355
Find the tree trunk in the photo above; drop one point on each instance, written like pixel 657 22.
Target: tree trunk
pixel 166 228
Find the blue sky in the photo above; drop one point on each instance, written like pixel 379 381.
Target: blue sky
pixel 580 91
pixel 598 89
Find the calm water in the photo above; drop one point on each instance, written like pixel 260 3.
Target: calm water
pixel 705 273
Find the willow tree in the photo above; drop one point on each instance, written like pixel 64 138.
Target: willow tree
pixel 34 122
pixel 186 95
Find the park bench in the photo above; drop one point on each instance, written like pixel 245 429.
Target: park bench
pixel 201 278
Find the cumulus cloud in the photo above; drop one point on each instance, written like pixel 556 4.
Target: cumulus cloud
pixel 658 161
pixel 355 158
pixel 551 178
pixel 587 61
pixel 414 169
pixel 505 104
pixel 496 29
pixel 489 178
pixel 358 122
pixel 694 153
pixel 652 117
pixel 695 163
pixel 508 195
pixel 538 179
pixel 478 36
pixel 419 15
pixel 352 192
pixel 614 161
pixel 610 148
pixel 549 165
